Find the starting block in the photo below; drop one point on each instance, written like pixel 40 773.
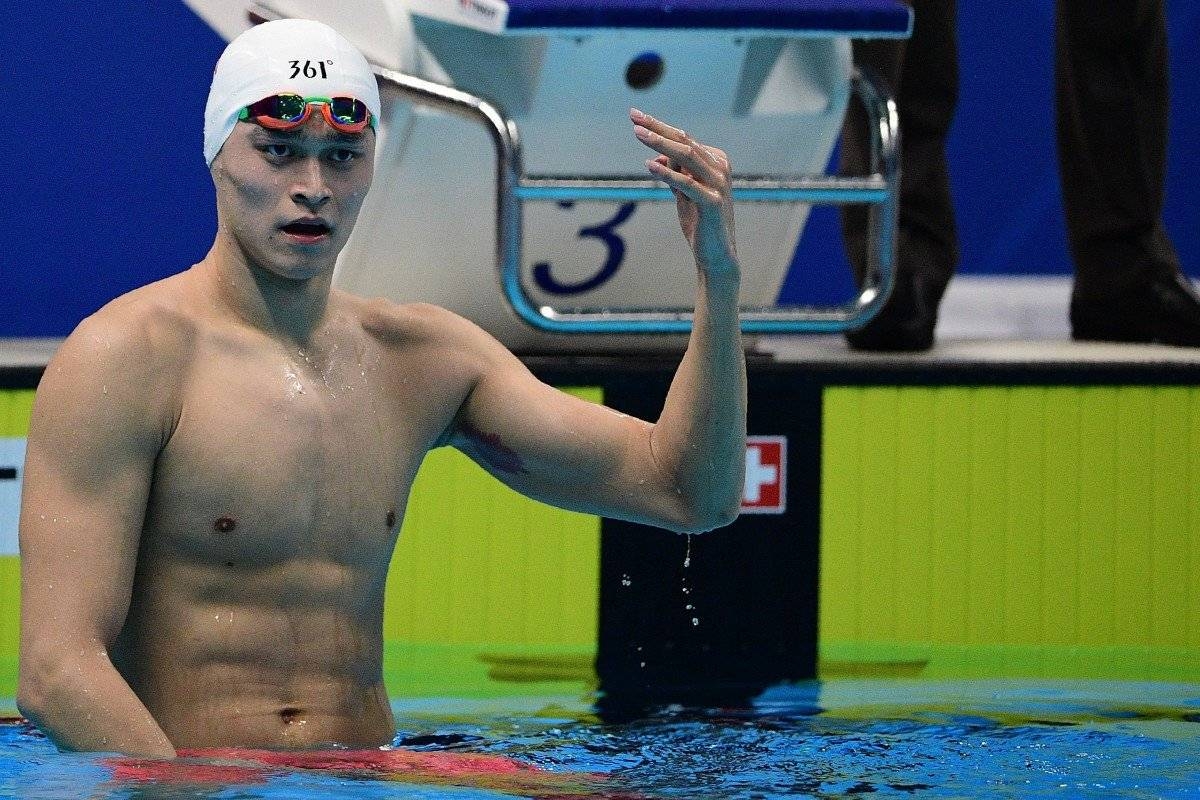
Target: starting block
pixel 509 187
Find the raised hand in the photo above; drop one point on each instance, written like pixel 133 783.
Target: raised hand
pixel 699 176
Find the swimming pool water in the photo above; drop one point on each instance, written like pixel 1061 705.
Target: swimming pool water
pixel 835 739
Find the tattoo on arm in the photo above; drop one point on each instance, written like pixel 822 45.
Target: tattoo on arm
pixel 489 448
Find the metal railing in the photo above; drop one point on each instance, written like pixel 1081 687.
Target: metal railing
pixel 513 188
pixel 879 190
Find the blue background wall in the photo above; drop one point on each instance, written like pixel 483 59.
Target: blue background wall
pixel 108 189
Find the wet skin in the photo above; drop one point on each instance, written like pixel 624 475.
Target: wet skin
pixel 256 603
pixel 287 446
pixel 225 456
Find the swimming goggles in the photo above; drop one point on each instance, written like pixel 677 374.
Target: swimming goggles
pixel 284 112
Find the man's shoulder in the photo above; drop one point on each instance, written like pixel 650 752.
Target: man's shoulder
pixel 412 323
pixel 141 328
pixel 120 368
pixel 434 338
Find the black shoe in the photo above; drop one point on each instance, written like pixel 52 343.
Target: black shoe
pixel 904 324
pixel 1165 310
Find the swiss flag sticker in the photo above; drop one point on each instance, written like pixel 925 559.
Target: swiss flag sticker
pixel 766 475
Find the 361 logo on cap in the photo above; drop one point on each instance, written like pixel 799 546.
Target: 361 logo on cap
pixel 309 69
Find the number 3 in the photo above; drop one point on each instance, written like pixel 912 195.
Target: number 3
pixel 605 232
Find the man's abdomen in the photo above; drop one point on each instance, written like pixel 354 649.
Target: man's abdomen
pixel 220 674
pixel 315 712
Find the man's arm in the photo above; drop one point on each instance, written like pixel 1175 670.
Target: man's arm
pixel 97 427
pixel 683 473
pixel 701 435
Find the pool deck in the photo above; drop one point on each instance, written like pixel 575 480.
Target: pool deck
pixel 824 351
pixel 983 355
pixel 27 353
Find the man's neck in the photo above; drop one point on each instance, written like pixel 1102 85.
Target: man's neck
pixel 283 308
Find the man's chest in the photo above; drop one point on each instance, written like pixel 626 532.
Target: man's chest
pixel 275 456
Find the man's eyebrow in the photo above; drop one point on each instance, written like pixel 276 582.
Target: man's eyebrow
pixel 337 137
pixel 259 130
pixel 347 138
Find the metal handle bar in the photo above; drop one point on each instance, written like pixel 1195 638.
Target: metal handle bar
pixel 879 190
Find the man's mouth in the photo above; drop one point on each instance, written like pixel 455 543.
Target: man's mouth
pixel 306 230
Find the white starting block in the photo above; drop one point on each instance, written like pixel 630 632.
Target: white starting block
pixel 509 187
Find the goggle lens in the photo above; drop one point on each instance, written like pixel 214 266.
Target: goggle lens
pixel 348 111
pixel 287 107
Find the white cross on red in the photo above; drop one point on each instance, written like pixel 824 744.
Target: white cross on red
pixel 766 475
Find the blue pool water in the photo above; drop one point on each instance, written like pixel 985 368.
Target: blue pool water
pixel 835 739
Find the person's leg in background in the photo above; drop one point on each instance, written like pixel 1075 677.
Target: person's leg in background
pixel 922 74
pixel 1112 107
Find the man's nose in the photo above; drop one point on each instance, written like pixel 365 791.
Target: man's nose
pixel 311 190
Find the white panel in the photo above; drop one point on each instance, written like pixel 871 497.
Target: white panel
pixel 426 231
pixel 381 29
pixel 481 15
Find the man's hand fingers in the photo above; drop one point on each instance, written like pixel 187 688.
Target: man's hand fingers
pixel 670 133
pixel 656 125
pixel 689 186
pixel 698 159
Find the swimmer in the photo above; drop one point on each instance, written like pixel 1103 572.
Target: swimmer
pixel 218 462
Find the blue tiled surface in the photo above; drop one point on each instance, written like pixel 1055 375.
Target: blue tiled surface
pixel 877 17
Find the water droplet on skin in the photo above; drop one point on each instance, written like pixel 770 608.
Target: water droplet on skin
pixel 642 665
pixel 689 607
pixel 695 620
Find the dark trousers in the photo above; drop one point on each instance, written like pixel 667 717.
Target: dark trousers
pixel 922 74
pixel 1111 97
pixel 1111 84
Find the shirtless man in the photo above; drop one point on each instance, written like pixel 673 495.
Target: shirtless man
pixel 218 462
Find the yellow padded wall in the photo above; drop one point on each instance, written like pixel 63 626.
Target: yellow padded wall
pixel 1051 531
pixel 15 406
pixel 489 592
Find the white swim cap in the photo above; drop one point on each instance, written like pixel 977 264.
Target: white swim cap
pixel 287 55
